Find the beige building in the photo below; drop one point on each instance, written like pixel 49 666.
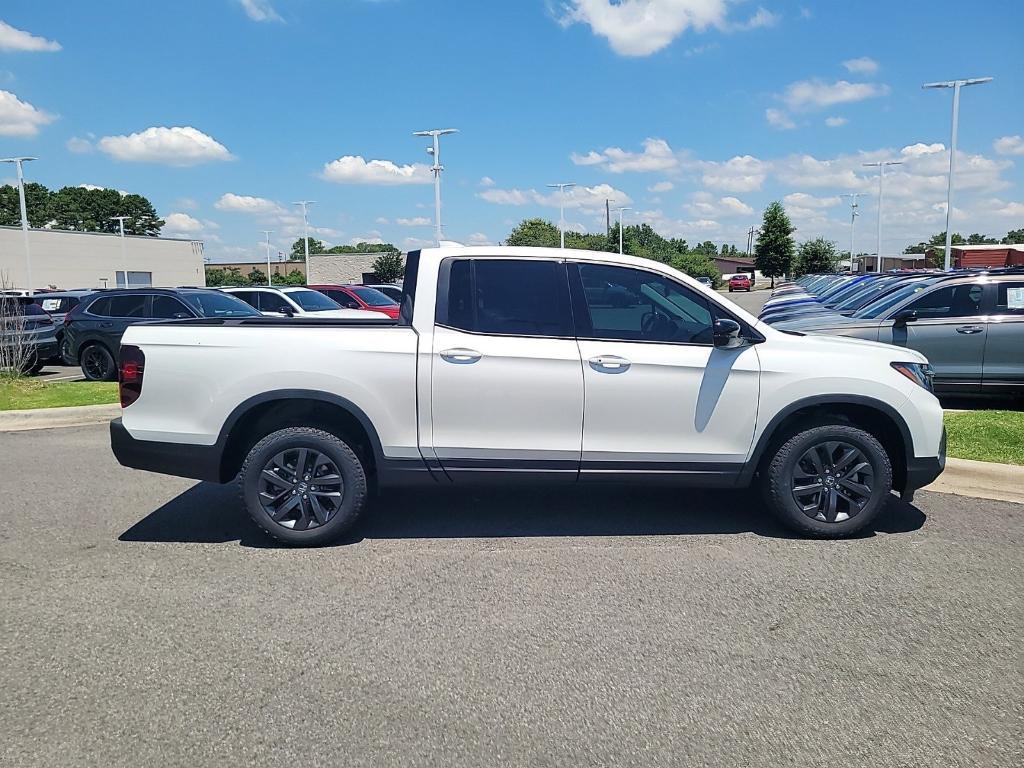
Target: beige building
pixel 68 260
pixel 341 268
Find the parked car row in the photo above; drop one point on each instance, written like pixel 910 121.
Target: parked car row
pixel 970 324
pixel 84 327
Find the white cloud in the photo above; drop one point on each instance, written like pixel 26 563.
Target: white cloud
pixel 260 10
pixel 803 200
pixel 186 203
pixel 177 146
pixel 486 181
pixel 90 186
pixel 778 119
pixel 257 206
pixel 861 66
pixel 19 118
pixel 1009 145
pixel 919 149
pixel 478 238
pixel 416 221
pixel 812 94
pixel 381 220
pixel 182 223
pixel 12 39
pixel 588 198
pixel 657 155
pixel 353 169
pixel 661 186
pixel 705 206
pixel 743 173
pixel 79 145
pixel 762 18
pixel 642 27
pixel 1014 209
pixel 835 122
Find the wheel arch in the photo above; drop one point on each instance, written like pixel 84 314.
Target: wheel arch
pixel 267 412
pixel 873 416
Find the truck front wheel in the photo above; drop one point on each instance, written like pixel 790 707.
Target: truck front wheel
pixel 303 486
pixel 829 481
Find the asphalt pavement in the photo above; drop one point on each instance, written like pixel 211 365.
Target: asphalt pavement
pixel 146 621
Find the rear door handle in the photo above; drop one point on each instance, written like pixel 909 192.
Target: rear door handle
pixel 969 329
pixel 460 356
pixel 609 364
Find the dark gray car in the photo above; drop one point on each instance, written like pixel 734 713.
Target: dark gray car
pixel 58 304
pixel 970 327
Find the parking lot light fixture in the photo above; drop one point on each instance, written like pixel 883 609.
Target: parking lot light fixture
pixel 267 233
pixel 305 231
pixel 561 187
pixel 956 85
pixel 435 152
pixel 621 210
pixel 853 220
pixel 881 164
pixel 18 162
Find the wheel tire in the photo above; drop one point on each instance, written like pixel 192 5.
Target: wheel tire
pixel 97 363
pixel 295 439
pixel 781 477
pixel 65 356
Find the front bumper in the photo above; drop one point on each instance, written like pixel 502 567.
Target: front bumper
pixel 922 471
pixel 199 462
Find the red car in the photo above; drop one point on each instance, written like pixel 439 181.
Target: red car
pixel 740 283
pixel 359 297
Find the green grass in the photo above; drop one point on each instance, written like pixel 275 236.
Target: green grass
pixel 986 436
pixel 19 394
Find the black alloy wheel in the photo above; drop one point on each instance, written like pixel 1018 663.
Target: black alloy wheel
pixel 301 488
pixel 832 481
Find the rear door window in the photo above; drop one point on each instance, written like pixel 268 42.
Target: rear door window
pixel 130 305
pixel 168 307
pixel 962 300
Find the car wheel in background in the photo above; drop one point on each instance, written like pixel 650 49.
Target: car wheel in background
pixel 303 486
pixel 97 363
pixel 829 481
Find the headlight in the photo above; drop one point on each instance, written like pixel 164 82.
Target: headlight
pixel 919 373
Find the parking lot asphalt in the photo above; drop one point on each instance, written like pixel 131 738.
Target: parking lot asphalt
pixel 146 622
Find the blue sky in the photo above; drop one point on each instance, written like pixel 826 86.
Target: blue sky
pixel 696 113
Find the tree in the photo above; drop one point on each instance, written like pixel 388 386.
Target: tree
pixel 1013 237
pixel 773 254
pixel 299 248
pixel 142 216
pixel 534 232
pixel 216 276
pixel 389 267
pixel 816 256
pixel 364 248
pixel 696 265
pixel 257 277
pixel 37 205
pixel 976 239
pixel 707 248
pixel 295 277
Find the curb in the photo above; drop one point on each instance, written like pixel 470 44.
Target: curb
pixel 51 418
pixel 981 479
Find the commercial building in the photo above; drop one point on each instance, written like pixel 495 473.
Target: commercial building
pixel 324 268
pixel 67 260
pixel 965 256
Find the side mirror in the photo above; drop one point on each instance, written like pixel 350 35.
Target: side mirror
pixel 182 316
pixel 285 310
pixel 727 334
pixel 902 318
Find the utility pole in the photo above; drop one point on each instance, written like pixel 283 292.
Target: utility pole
pixel 956 85
pixel 124 256
pixel 19 161
pixel 305 230
pixel 435 152
pixel 267 233
pixel 853 220
pixel 620 210
pixel 750 240
pixel 881 179
pixel 561 209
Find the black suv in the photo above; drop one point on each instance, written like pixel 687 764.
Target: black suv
pixel 94 328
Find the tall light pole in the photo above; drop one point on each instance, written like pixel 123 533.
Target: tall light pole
pixel 620 210
pixel 561 209
pixel 435 152
pixel 18 161
pixel 124 255
pixel 853 220
pixel 881 164
pixel 305 231
pixel 956 85
pixel 267 233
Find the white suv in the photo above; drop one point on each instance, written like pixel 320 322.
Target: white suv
pixel 294 302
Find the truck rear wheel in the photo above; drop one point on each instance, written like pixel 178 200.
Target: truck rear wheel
pixel 303 486
pixel 829 481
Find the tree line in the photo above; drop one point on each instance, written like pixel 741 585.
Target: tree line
pixel 79 209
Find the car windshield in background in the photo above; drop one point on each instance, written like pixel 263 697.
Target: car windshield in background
pixel 216 304
pixel 372 297
pixel 312 301
pixel 17 308
pixel 875 309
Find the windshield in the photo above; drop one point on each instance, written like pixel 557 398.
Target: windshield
pixel 864 293
pixel 372 297
pixel 878 307
pixel 312 301
pixel 217 304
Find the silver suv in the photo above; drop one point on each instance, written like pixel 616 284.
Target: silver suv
pixel 970 327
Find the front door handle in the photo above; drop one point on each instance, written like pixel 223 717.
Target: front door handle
pixel 969 329
pixel 460 356
pixel 609 364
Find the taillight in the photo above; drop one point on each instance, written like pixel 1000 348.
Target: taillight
pixel 129 374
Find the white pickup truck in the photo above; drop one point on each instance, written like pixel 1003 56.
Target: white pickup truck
pixel 513 365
